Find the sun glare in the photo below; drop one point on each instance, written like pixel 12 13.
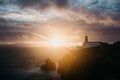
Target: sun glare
pixel 56 42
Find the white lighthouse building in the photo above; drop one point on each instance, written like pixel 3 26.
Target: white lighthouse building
pixel 88 44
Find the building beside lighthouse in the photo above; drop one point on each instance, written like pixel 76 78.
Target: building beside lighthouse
pixel 88 44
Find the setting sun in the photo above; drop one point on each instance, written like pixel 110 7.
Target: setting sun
pixel 56 42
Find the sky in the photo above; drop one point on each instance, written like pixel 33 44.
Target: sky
pixel 71 20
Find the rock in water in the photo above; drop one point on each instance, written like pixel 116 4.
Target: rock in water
pixel 49 65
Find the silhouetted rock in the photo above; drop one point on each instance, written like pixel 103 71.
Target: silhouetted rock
pixel 98 63
pixel 49 65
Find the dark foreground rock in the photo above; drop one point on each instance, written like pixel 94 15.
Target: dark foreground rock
pixel 98 63
pixel 49 66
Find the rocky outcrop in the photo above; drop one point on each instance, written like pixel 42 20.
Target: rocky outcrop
pixel 96 63
pixel 77 66
pixel 49 65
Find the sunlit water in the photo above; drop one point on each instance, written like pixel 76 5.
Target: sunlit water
pixel 19 63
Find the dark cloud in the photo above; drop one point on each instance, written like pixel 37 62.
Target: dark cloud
pixel 1 2
pixel 43 3
pixel 62 3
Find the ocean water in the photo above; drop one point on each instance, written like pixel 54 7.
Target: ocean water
pixel 23 62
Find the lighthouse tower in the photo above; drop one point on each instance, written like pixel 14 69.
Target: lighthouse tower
pixel 86 39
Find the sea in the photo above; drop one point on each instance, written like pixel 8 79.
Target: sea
pixel 21 62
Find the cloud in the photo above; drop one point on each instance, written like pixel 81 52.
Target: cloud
pixel 98 8
pixel 43 4
pixel 78 17
pixel 14 31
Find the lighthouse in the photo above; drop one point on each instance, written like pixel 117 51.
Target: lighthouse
pixel 86 39
pixel 88 44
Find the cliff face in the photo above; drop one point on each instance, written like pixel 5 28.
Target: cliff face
pixel 98 63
